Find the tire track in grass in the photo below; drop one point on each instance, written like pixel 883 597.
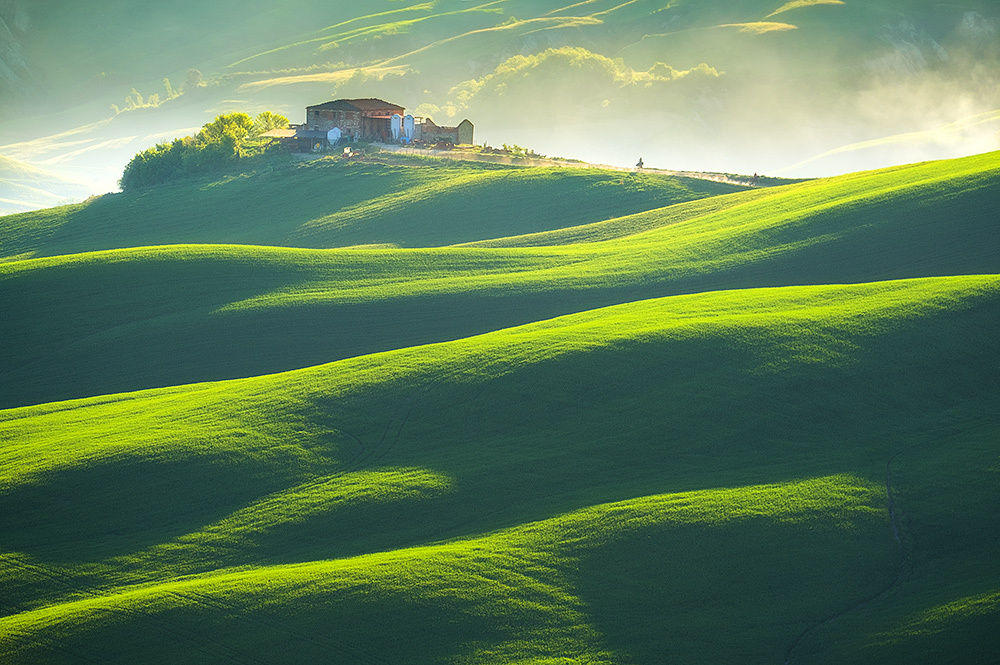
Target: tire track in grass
pixel 904 558
pixel 238 613
pixel 71 588
pixel 216 650
pixel 367 456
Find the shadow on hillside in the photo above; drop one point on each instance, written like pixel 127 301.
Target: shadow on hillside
pixel 326 203
pixel 735 592
pixel 527 440
pixel 162 327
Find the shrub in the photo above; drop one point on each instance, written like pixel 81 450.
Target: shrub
pixel 224 140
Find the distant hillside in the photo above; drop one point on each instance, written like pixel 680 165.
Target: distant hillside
pixel 327 203
pixel 24 187
pixel 111 321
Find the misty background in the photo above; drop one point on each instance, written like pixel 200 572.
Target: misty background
pixel 799 88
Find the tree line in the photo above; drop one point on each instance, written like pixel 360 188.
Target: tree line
pixel 226 139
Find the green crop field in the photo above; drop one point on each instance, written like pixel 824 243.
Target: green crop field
pixel 325 203
pixel 399 411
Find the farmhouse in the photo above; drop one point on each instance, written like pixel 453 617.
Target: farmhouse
pixel 367 120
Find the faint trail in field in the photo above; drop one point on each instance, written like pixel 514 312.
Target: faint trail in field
pixel 904 557
pixel 239 614
pixel 545 161
pixel 72 590
pixel 199 644
pixel 366 456
pixel 218 651
pixel 37 638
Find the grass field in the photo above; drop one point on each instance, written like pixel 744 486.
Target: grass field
pixel 231 311
pixel 327 203
pixel 689 424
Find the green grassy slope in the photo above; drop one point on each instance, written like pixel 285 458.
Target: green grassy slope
pixel 607 419
pixel 958 188
pixel 327 203
pixel 536 494
pixel 121 320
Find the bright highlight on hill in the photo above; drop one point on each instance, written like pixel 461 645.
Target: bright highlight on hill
pixel 538 416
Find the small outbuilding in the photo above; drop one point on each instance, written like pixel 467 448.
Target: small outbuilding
pixel 461 134
pixel 298 138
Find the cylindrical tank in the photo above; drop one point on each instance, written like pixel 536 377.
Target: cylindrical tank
pixel 408 128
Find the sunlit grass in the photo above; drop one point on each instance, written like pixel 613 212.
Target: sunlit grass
pixel 597 443
pixel 928 219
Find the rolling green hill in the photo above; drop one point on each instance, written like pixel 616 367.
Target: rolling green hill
pixel 327 203
pixel 510 497
pixel 568 416
pixel 120 320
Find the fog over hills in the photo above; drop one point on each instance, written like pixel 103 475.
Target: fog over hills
pixel 802 88
pixel 24 187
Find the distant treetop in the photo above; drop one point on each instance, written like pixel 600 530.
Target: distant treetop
pixel 226 139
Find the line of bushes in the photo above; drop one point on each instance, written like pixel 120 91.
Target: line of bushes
pixel 226 139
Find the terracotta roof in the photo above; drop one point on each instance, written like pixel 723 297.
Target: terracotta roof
pixel 355 105
pixel 296 132
pixel 310 134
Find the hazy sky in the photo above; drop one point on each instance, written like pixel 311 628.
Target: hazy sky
pixel 809 87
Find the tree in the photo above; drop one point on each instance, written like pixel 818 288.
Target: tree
pixel 234 126
pixel 266 121
pixel 224 140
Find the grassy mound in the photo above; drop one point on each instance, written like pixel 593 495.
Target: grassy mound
pixel 534 494
pixel 327 203
pixel 122 320
pixel 675 427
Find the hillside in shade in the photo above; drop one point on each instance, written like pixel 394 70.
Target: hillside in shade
pixel 454 413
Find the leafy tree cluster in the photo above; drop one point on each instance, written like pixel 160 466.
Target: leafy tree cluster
pixel 225 140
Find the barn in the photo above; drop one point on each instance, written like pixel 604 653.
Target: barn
pixel 365 119
pixel 462 134
pixel 368 119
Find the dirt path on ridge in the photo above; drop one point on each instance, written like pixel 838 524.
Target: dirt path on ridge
pixel 729 179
